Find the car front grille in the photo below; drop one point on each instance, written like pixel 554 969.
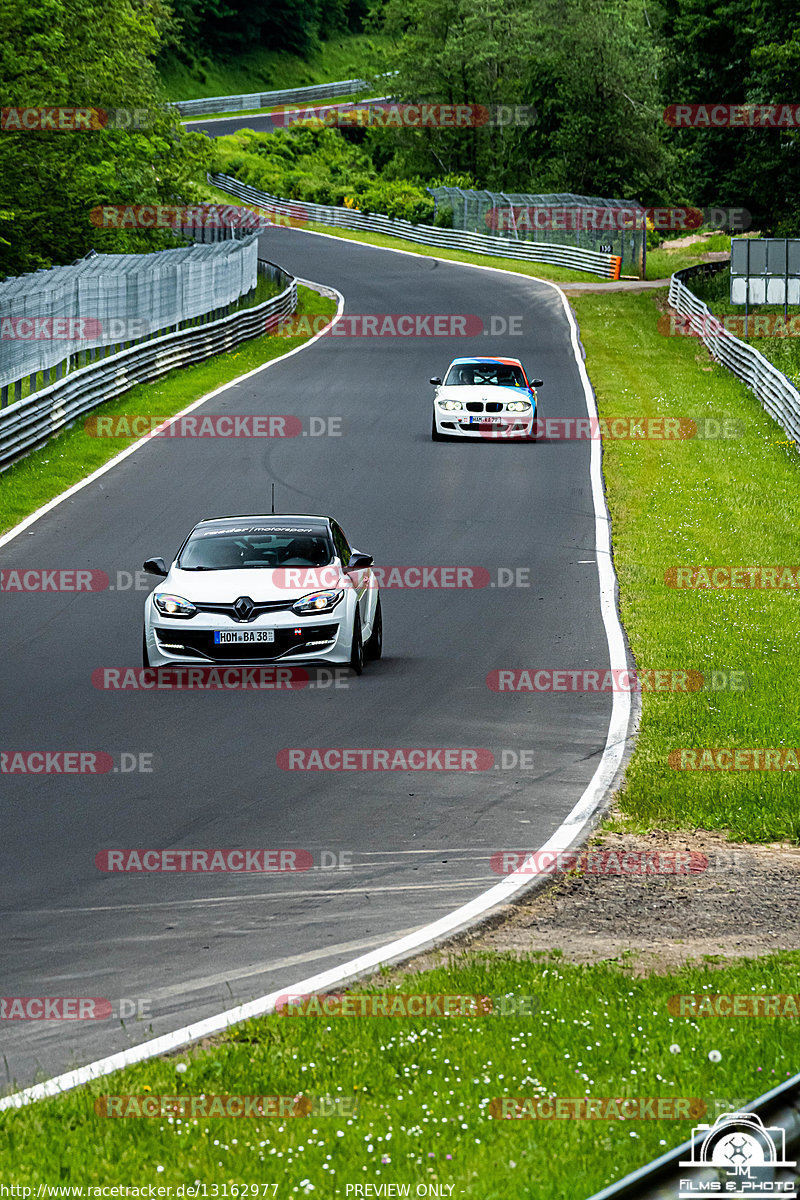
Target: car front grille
pixel 266 606
pixel 199 643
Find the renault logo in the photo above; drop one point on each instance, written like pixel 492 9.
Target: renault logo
pixel 244 608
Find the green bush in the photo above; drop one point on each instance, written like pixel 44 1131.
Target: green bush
pixel 403 201
pixel 444 217
pixel 319 166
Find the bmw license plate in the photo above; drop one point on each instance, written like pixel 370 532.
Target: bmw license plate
pixel 486 420
pixel 226 636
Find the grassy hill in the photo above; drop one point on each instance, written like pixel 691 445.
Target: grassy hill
pixel 343 57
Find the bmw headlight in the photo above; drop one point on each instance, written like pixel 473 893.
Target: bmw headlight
pixel 317 602
pixel 518 406
pixel 173 606
pixel 450 405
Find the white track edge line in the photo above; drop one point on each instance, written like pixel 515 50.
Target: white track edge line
pixel 574 826
pixel 323 289
pixel 454 262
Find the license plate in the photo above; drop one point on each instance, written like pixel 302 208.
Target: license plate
pixel 226 636
pixel 486 420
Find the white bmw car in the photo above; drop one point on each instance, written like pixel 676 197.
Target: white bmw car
pixel 258 589
pixel 485 398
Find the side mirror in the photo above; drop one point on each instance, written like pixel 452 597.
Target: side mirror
pixel 359 561
pixel 155 566
pixel 436 381
pixel 537 383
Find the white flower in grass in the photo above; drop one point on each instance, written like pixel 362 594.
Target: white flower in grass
pixel 181 1068
pixel 714 1056
pixel 674 1048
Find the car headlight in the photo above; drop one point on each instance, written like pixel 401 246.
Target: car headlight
pixel 173 606
pixel 316 602
pixel 450 405
pixel 518 406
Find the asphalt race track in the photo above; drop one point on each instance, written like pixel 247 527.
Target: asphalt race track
pixel 263 122
pixel 184 946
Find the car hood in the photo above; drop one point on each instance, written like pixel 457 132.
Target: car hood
pixel 492 392
pixel 261 584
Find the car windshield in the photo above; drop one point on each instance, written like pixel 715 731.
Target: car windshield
pixel 227 550
pixel 483 374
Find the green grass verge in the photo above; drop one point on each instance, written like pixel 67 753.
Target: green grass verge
pixel 690 503
pixel 344 57
pixel 660 264
pixel 424 1086
pixel 539 270
pixel 74 454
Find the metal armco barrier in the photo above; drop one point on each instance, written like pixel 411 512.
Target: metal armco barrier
pixel 573 257
pixel 779 397
pixel 31 422
pixel 659 1180
pixel 247 100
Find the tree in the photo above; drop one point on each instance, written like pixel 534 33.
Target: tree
pixel 99 55
pixel 739 52
pixel 589 67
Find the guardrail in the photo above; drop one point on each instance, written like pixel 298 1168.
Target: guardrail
pixel 576 259
pixel 56 316
pixel 31 422
pixel 246 100
pixel 779 396
pixel 659 1180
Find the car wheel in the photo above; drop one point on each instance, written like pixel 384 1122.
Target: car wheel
pixel 357 647
pixel 374 645
pixel 435 435
pixel 145 655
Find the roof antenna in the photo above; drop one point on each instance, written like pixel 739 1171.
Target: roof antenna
pixel 273 499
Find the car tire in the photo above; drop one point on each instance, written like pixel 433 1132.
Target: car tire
pixel 435 435
pixel 357 647
pixel 145 655
pixel 373 648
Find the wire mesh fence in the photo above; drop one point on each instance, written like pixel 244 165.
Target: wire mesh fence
pixel 588 222
pixel 35 419
pixel 50 318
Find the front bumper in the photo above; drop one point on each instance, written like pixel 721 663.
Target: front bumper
pixel 489 428
pixel 320 637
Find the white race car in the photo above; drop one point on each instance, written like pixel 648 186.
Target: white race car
pixel 263 589
pixel 485 398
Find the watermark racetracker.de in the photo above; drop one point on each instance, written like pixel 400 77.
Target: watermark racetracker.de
pixel 222 860
pixel 77 762
pixel 389 115
pixel 515 219
pixel 525 680
pixel 732 116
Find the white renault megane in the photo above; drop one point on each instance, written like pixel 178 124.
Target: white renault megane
pixel 264 589
pixel 485 397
